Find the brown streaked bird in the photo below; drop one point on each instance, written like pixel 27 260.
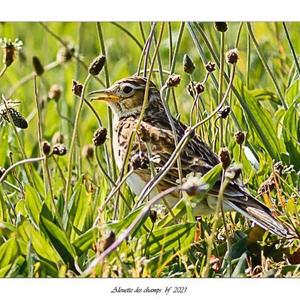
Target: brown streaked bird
pixel 125 97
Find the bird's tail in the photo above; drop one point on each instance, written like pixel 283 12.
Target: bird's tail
pixel 262 216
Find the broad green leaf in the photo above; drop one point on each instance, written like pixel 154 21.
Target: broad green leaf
pixel 233 255
pixel 290 132
pixel 291 206
pixel 264 95
pixel 4 270
pixel 239 270
pixel 78 210
pixel 4 145
pixel 33 204
pixel 16 268
pixel 261 121
pixel 238 248
pixel 209 179
pixel 58 239
pixel 38 182
pixel 48 269
pixel 119 226
pixel 69 213
pixel 174 237
pixel 230 267
pixel 8 252
pixel 21 208
pixel 84 241
pixel 293 92
pixel 6 227
pixel 39 243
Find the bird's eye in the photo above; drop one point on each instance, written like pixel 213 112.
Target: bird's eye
pixel 127 89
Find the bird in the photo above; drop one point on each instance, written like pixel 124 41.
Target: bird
pixel 125 97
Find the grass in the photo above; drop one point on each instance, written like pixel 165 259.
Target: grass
pixel 72 215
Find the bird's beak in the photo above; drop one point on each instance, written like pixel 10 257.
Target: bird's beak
pixel 107 95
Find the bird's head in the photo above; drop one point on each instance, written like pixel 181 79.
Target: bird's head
pixel 126 96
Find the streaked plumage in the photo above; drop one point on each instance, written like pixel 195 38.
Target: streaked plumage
pixel 125 98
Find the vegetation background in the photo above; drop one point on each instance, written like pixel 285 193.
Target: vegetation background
pixel 59 234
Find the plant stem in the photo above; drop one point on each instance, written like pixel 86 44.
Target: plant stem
pixel 248 62
pixel 265 64
pixel 292 48
pixel 19 163
pixel 60 170
pixel 171 121
pixel 182 143
pixel 30 76
pixel 72 145
pixel 40 134
pixel 148 47
pixel 129 34
pixel 170 44
pixel 112 169
pixel 173 64
pixel 20 144
pixel 205 272
pixel 221 79
pixel 63 43
pixel 204 60
pixel 116 189
pixel 3 70
pixel 160 68
pixel 128 230
pixel 146 95
pixel 145 101
pixel 110 180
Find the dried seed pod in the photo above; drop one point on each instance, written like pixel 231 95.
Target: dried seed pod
pixel 173 80
pixel 139 161
pixel 153 215
pixel 221 26
pixel 88 151
pixel 65 54
pixel 46 147
pixel 239 137
pixel 99 137
pixel 199 87
pixel 77 88
pixel 17 118
pixel 59 149
pixel 97 65
pixel 232 56
pixel 188 65
pixel 210 67
pixel 37 65
pixel 224 157
pixel 10 50
pixel 58 138
pixel 224 112
pixel 55 92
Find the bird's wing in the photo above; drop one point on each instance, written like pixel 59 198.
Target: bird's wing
pixel 260 214
pixel 197 157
